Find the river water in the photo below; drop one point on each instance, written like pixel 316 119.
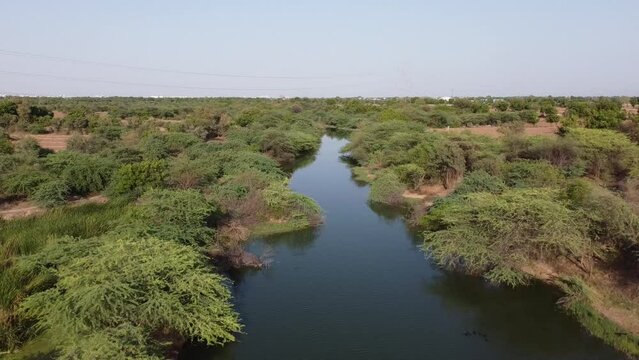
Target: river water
pixel 358 287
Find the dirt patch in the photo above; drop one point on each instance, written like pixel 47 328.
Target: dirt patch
pixel 23 209
pixel 542 128
pixel 561 110
pixel 428 193
pixel 55 142
pixel 630 109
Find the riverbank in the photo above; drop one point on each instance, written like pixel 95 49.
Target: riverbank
pixel 358 287
pixel 599 297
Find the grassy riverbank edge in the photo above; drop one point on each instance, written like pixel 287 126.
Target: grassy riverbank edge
pixel 579 294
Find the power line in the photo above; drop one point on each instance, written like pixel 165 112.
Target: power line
pixel 6 52
pixel 146 84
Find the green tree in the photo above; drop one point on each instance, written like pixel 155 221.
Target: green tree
pixel 126 294
pixel 138 177
pixel 176 215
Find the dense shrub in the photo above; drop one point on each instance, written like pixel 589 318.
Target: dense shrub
pixel 115 295
pixel 137 177
pixel 387 189
pixel 175 215
pixel 531 174
pixel 495 234
pixel 608 155
pixel 23 181
pixel 481 181
pixel 410 175
pixel 83 173
pixel 51 193
pixel 612 219
pixel 285 146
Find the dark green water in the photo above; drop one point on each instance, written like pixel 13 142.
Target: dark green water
pixel 358 288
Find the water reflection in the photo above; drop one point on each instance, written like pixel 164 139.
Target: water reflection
pixel 504 317
pixel 358 287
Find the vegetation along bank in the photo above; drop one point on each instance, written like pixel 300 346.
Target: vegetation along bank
pixel 134 207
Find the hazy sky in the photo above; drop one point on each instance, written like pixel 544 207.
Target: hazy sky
pixel 320 48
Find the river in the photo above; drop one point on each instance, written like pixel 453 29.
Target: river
pixel 358 287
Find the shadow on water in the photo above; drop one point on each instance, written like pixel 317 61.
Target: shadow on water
pixel 358 287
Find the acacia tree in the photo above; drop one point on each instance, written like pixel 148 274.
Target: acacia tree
pixel 127 297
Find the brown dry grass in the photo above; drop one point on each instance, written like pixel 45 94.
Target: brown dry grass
pixel 542 128
pixel 428 193
pixel 630 109
pixel 22 209
pixel 55 142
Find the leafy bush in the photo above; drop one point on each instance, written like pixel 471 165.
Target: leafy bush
pixel 387 189
pixel 285 146
pixel 609 155
pixel 442 159
pixel 529 116
pixel 282 202
pixel 481 181
pixel 410 175
pixel 186 173
pixel 154 147
pixel 525 173
pixel 23 181
pixel 29 147
pixel 612 220
pixel 132 178
pixel 5 145
pixel 51 193
pixel 83 173
pixel 494 235
pixel 124 290
pixel 175 215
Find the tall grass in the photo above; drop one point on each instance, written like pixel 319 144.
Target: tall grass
pixel 26 236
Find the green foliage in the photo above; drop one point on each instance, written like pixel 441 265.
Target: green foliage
pixel 410 175
pixel 83 173
pixel 502 105
pixel 525 173
pixel 29 147
pixel 496 234
pixel 608 155
pixel 529 116
pixel 128 288
pixel 481 181
pixel 612 220
pixel 137 177
pixel 51 193
pixel 23 181
pixel 285 146
pixel 376 137
pixel 282 202
pixel 154 147
pixel 175 215
pixel 26 236
pixel 577 302
pixel 387 189
pixel 5 144
pixel 442 159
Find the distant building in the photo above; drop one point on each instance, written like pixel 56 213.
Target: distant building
pixel 445 98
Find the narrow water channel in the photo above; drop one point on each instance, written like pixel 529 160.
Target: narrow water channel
pixel 359 288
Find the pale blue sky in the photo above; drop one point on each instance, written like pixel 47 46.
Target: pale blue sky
pixel 322 48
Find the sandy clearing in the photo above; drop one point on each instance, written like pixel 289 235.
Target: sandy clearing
pixel 23 209
pixel 543 128
pixel 55 142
